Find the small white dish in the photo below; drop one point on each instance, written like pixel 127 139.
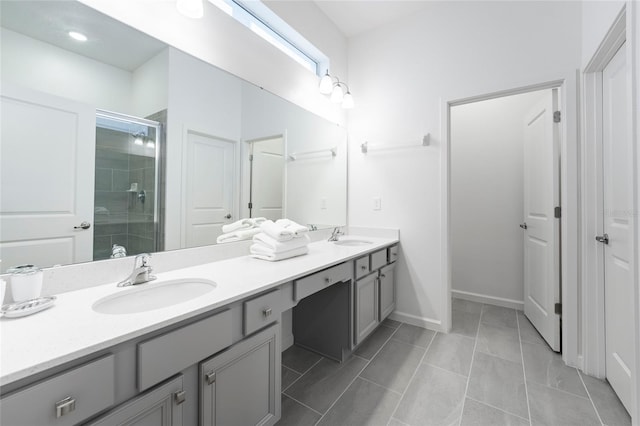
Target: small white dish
pixel 21 309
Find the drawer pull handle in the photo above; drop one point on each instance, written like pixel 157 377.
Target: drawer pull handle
pixel 328 280
pixel 211 377
pixel 65 406
pixel 363 267
pixel 180 397
pixel 383 276
pixel 267 312
pixel 394 253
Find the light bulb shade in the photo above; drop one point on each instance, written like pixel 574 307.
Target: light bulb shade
pixel 190 8
pixel 347 101
pixel 337 94
pixel 326 85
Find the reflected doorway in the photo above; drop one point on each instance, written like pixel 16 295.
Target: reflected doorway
pixel 266 178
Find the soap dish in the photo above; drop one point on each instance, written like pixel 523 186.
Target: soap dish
pixel 21 309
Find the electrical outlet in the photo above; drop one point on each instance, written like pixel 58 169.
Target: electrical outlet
pixel 377 203
pixel 323 203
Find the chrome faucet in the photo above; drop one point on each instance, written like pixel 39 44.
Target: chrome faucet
pixel 141 271
pixel 335 234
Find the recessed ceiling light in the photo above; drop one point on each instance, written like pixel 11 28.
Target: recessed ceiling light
pixel 77 36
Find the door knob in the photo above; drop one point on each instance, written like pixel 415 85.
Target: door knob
pixel 228 216
pixel 604 238
pixel 83 225
pixel 523 225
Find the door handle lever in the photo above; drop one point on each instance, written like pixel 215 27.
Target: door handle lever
pixel 604 238
pixel 523 225
pixel 83 225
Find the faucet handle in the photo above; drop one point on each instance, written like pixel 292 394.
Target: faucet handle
pixel 144 259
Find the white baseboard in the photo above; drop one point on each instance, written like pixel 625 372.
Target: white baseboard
pixel 428 323
pixel 489 300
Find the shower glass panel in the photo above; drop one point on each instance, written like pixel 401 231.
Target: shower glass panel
pixel 126 186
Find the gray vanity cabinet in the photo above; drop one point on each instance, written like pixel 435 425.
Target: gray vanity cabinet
pixel 366 307
pixel 387 289
pixel 241 386
pixel 160 406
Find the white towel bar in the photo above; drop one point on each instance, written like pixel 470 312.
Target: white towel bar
pixel 295 155
pixel 366 146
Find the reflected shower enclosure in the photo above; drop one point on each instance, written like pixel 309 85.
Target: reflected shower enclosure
pixel 126 199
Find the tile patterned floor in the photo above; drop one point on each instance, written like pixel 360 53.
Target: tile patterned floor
pixel 492 369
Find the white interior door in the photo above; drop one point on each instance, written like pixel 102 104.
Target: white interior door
pixel 617 186
pixel 542 229
pixel 208 187
pixel 267 169
pixel 46 178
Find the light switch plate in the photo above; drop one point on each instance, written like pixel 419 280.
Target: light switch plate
pixel 377 203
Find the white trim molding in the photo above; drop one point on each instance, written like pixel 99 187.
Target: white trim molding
pixel 489 300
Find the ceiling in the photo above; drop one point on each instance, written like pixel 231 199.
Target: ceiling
pixel 353 17
pixel 49 21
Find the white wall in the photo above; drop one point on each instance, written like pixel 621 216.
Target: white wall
pixel 220 40
pixel 204 99
pixel 150 85
pixel 41 66
pixel 487 198
pixel 597 17
pixel 403 73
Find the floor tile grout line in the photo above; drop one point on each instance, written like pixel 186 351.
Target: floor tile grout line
pixel 497 408
pixel 473 358
pixel 444 369
pixel 301 374
pixel 296 379
pixel 379 385
pixel 589 394
pixel 303 404
pixel 524 373
pixel 357 375
pixel 393 413
pixel 561 390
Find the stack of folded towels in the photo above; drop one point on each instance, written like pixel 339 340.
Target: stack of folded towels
pixel 240 230
pixel 280 240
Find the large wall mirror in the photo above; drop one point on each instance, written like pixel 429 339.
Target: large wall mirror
pixel 121 140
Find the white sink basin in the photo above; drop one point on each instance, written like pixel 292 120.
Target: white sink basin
pixel 153 295
pixel 352 242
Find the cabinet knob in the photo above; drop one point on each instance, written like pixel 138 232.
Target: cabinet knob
pixel 65 406
pixel 267 312
pixel 383 276
pixel 363 267
pixel 210 377
pixel 328 280
pixel 179 397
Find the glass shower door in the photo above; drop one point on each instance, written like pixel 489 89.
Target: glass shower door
pixel 126 186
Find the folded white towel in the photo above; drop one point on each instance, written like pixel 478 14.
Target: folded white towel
pixel 280 246
pixel 260 252
pixel 297 229
pixel 277 232
pixel 237 225
pixel 257 221
pixel 243 234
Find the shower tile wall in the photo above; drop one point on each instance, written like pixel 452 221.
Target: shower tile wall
pixel 120 216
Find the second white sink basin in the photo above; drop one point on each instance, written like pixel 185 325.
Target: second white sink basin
pixel 153 295
pixel 352 242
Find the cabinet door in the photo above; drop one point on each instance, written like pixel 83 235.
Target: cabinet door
pixel 241 386
pixel 160 406
pixel 387 291
pixel 366 309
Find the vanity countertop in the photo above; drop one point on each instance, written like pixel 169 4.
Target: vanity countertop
pixel 71 329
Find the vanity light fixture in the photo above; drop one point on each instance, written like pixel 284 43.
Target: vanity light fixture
pixel 77 36
pixel 328 86
pixel 190 8
pixel 139 138
pixel 151 144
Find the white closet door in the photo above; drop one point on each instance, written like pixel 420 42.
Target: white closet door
pixel 47 178
pixel 267 169
pixel 208 187
pixel 542 233
pixel 618 205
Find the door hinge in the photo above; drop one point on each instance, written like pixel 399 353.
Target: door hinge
pixel 558 308
pixel 250 206
pixel 250 157
pixel 557 212
pixel 557 116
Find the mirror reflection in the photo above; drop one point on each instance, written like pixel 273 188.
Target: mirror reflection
pixel 121 144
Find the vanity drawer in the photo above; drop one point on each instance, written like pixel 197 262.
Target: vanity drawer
pixel 362 266
pixel 378 259
pixel 166 355
pixel 65 399
pixel 393 253
pixel 313 283
pixel 261 311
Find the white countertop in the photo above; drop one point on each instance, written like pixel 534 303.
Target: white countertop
pixel 71 329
